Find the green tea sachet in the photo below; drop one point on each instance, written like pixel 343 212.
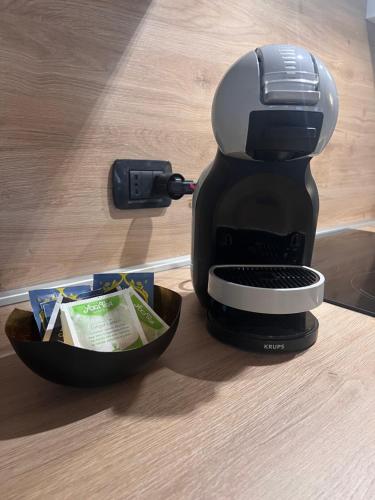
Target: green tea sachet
pixel 152 324
pixel 105 323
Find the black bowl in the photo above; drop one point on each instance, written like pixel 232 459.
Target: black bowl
pixel 65 364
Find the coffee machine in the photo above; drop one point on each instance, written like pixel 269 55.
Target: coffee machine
pixel 255 207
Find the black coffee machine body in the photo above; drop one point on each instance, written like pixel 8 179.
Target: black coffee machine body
pixel 255 208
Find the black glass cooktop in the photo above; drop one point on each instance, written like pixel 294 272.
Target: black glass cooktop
pixel 347 260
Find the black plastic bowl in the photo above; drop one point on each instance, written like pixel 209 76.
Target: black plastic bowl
pixel 65 364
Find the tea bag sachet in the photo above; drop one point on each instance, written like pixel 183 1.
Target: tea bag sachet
pixel 153 325
pixel 54 330
pixel 105 323
pixel 43 302
pixel 143 283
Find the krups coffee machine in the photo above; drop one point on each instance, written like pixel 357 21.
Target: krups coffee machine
pixel 255 207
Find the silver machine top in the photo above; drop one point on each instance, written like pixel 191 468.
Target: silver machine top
pixel 281 78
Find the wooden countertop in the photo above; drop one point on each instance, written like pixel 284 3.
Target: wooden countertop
pixel 206 422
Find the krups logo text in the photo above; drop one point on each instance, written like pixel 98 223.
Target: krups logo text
pixel 274 347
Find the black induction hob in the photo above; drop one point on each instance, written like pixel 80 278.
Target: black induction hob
pixel 347 260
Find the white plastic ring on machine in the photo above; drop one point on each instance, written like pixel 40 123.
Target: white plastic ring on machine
pixel 267 289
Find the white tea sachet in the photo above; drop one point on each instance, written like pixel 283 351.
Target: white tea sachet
pixel 105 323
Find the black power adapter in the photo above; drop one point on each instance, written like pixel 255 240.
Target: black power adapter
pixel 147 184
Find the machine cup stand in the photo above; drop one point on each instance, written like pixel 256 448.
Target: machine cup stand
pixel 264 307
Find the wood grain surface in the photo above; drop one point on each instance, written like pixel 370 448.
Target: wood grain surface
pixel 82 84
pixel 5 347
pixel 206 422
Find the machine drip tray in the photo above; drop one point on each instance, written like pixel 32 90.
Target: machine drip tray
pixel 262 332
pixel 264 307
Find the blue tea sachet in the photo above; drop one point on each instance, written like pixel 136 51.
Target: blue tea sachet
pixel 142 283
pixel 40 298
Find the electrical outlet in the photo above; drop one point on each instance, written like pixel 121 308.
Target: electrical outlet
pixel 132 183
pixel 141 183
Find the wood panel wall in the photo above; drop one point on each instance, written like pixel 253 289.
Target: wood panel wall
pixel 83 83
